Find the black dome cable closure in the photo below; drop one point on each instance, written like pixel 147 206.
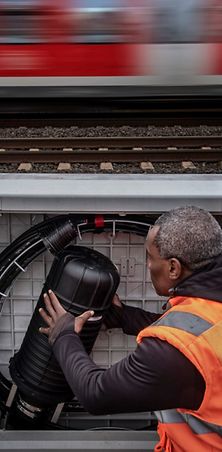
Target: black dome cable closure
pixel 83 279
pixel 54 235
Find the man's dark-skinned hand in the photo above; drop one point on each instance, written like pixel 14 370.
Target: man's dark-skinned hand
pixel 55 316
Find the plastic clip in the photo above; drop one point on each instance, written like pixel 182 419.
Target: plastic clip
pixel 19 266
pixel 78 229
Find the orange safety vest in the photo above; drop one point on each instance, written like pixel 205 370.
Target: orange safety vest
pixel 193 326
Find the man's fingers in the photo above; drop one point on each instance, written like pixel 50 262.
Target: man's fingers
pixel 45 316
pixel 49 307
pixel 86 316
pixel 55 302
pixel 116 301
pixel 81 320
pixel 44 330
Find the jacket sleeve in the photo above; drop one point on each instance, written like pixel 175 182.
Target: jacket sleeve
pixel 135 319
pixel 131 319
pixel 154 376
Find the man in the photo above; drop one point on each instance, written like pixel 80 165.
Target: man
pixel 177 365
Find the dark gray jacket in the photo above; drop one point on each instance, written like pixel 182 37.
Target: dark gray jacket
pixel 155 376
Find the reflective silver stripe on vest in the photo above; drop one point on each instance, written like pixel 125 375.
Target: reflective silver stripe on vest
pixel 169 417
pixel 197 426
pixel 191 323
pixel 200 427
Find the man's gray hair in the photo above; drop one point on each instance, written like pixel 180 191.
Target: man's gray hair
pixel 190 234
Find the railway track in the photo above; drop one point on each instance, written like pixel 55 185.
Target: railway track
pixel 114 149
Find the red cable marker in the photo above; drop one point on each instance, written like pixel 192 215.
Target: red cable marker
pixel 99 221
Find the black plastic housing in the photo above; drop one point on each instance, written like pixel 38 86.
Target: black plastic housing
pixel 82 279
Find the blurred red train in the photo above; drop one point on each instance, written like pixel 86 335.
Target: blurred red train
pixel 154 45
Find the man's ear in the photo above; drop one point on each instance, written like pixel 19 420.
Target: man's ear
pixel 175 268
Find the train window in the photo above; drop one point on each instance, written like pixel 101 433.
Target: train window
pixel 178 22
pixel 33 21
pixel 95 25
pixel 19 22
pixel 110 21
pixel 104 25
pixel 214 21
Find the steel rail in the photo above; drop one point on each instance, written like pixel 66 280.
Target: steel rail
pixel 157 155
pixel 122 142
pixel 116 149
